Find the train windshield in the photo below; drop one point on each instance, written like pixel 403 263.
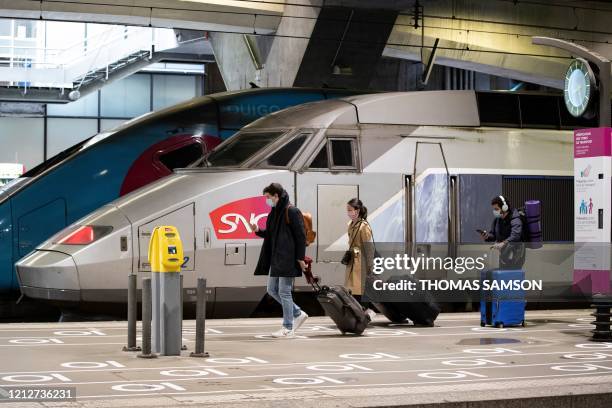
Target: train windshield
pixel 240 148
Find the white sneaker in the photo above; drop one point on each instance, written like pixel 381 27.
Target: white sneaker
pixel 284 333
pixel 371 313
pixel 299 321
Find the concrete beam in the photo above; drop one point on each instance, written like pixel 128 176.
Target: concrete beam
pixel 262 16
pixel 281 55
pixel 494 37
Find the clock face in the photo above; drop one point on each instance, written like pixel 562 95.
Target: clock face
pixel 579 86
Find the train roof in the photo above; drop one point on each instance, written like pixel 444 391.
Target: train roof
pixel 432 108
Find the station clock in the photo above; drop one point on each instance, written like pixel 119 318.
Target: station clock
pixel 579 89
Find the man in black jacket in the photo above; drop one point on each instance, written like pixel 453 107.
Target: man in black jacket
pixel 507 234
pixel 282 255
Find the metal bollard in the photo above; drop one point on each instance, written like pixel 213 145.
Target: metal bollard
pixel 200 320
pixel 132 314
pixel 147 309
pixel 602 305
pixel 183 347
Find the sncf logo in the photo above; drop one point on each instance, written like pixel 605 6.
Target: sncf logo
pixel 232 221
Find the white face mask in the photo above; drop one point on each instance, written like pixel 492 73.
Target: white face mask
pixel 497 213
pixel 270 202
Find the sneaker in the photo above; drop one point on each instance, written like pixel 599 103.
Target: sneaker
pixel 299 321
pixel 284 333
pixel 371 314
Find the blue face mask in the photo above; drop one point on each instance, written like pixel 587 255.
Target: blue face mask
pixel 497 213
pixel 270 202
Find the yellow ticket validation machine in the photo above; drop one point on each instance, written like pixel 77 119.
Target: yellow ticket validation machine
pixel 166 258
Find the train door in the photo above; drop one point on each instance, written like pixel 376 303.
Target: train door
pixel 435 195
pixel 331 179
pixel 183 220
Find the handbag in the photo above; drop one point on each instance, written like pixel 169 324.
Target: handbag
pixel 348 255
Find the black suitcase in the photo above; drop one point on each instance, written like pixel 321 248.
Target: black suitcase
pixel 422 309
pixel 343 309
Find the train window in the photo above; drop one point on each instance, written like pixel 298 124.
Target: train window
pixel 239 148
pixel 182 156
pixel 283 156
pixel 320 161
pixel 342 153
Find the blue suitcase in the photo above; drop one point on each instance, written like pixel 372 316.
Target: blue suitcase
pixel 499 307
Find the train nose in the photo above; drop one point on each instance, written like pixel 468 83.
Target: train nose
pixel 49 275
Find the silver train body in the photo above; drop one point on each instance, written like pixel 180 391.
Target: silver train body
pixel 421 162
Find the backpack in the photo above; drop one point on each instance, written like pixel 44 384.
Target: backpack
pixel 308 231
pixel 531 219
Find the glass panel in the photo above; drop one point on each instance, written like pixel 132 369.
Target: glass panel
pixel 86 106
pixel 25 29
pixel 5 27
pixel 127 97
pixel 108 124
pixel 283 156
pixel 342 153
pixel 63 133
pixel 22 141
pixel 171 89
pixel 240 148
pixel 320 162
pixel 182 157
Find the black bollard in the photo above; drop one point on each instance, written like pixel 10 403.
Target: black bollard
pixel 147 311
pixel 200 320
pixel 132 314
pixel 602 305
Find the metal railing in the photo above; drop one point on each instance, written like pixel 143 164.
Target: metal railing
pixel 39 66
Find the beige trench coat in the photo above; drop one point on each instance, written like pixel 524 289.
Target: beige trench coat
pixel 355 270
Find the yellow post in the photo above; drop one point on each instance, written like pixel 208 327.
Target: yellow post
pixel 166 258
pixel 165 250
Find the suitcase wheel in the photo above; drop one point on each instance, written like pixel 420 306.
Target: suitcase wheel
pixel 523 323
pixel 482 324
pixel 499 325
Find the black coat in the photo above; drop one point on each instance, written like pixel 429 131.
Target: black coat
pixel 284 243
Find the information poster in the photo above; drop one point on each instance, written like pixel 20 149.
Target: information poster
pixel 592 209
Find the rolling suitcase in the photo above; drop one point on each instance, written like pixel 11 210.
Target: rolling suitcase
pixel 499 307
pixel 343 308
pixel 421 309
pixel 338 303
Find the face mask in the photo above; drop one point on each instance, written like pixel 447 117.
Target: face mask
pixel 353 215
pixel 497 213
pixel 270 202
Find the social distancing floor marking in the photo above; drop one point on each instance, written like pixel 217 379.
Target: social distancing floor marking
pixel 345 370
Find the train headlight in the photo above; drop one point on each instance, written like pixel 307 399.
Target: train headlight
pixel 83 235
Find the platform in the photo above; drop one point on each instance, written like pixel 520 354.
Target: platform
pixel 550 362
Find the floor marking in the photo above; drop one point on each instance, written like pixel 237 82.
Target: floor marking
pixel 255 390
pixel 306 374
pixel 445 356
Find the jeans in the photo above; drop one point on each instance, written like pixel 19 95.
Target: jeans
pixel 280 289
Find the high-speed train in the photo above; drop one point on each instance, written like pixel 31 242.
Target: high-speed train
pixel 111 164
pixel 426 164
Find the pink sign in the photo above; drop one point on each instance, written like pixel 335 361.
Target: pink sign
pixel 595 142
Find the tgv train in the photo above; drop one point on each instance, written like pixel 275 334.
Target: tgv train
pixel 111 164
pixel 426 164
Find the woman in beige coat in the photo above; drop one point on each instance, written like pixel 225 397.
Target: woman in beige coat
pixel 359 232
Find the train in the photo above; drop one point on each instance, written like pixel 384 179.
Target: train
pixel 425 163
pixel 77 181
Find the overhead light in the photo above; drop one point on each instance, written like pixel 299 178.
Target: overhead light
pixel 74 95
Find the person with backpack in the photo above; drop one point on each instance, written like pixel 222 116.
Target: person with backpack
pixel 507 233
pixel 282 256
pixel 359 233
